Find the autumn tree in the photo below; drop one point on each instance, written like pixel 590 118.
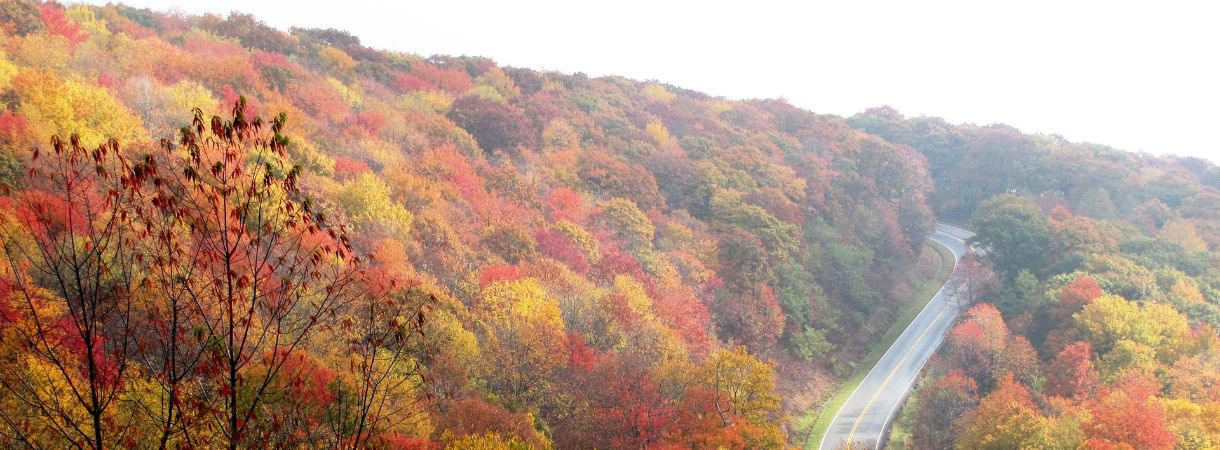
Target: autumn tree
pixel 496 125
pixel 72 276
pixel 267 268
pixel 383 389
pixel 941 408
pixel 743 386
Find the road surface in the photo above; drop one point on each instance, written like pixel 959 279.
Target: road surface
pixel 866 414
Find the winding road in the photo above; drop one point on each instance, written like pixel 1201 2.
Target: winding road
pixel 865 415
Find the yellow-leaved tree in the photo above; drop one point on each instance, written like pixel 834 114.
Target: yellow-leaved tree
pixel 58 106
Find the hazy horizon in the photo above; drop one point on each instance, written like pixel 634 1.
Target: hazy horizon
pixel 1131 77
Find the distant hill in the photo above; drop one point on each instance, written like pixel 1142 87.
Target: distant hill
pixel 426 252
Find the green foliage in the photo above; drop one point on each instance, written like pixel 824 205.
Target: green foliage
pixel 809 344
pixel 1014 232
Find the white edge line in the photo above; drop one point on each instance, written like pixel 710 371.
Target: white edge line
pixel 822 443
pixel 953 227
pixel 940 340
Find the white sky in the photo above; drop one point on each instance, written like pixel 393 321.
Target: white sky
pixel 1138 76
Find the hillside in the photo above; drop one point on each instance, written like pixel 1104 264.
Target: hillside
pixel 1098 302
pixel 418 252
pixel 217 234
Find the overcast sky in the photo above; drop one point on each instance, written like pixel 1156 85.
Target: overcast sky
pixel 1138 76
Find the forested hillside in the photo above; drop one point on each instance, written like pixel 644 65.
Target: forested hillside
pixel 1099 297
pixel 218 234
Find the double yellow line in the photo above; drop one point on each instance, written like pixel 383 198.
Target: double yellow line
pixel 877 393
pixel 868 405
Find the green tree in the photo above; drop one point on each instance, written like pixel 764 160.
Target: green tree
pixel 1014 233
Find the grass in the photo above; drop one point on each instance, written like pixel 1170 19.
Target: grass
pixel 818 421
pixel 899 431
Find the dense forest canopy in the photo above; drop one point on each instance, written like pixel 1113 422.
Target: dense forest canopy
pixel 1097 328
pixel 499 254
pixel 220 234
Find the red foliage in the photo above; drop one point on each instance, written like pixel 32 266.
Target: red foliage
pixel 557 245
pixel 563 203
pixel 348 168
pixel 48 215
pixel 499 272
pixel 448 79
pixel 107 80
pixel 610 175
pixel 753 316
pixel 941 406
pixel 580 356
pixel 59 24
pixel 634 412
pixel 696 425
pixel 978 343
pixel 262 59
pixel 1075 296
pixel 11 125
pixel 7 313
pixel 682 311
pixel 1128 414
pixel 473 415
pixel 370 121
pixel 307 382
pixel 616 261
pixel 217 63
pixel 1071 374
pixel 400 442
pixel 319 98
pixel 405 82
pixel 106 366
pixel 230 96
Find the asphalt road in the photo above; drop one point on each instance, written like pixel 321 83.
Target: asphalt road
pixel 867 413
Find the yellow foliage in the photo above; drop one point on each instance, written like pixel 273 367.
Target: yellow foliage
pixel 380 152
pixel 659 134
pixel 1111 323
pixel 1185 289
pixel 658 93
pixel 583 239
pixel 63 107
pixel 187 95
pixel 523 299
pixel 626 219
pixel 83 15
pixel 452 338
pixel 429 102
pixel 746 384
pixel 488 93
pixel 562 165
pixel 336 60
pixel 309 157
pixel 633 292
pixel 367 202
pixel 7 70
pixel 558 134
pixel 500 82
pixel 350 94
pixel 718 107
pixel 1183 232
pixel 489 441
pixel 414 192
pixel 44 51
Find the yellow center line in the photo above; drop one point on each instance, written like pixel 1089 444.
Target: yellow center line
pixel 852 434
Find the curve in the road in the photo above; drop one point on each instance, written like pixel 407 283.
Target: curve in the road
pixel 867 412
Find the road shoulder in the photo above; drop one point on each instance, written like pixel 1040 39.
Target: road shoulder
pixel 817 421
